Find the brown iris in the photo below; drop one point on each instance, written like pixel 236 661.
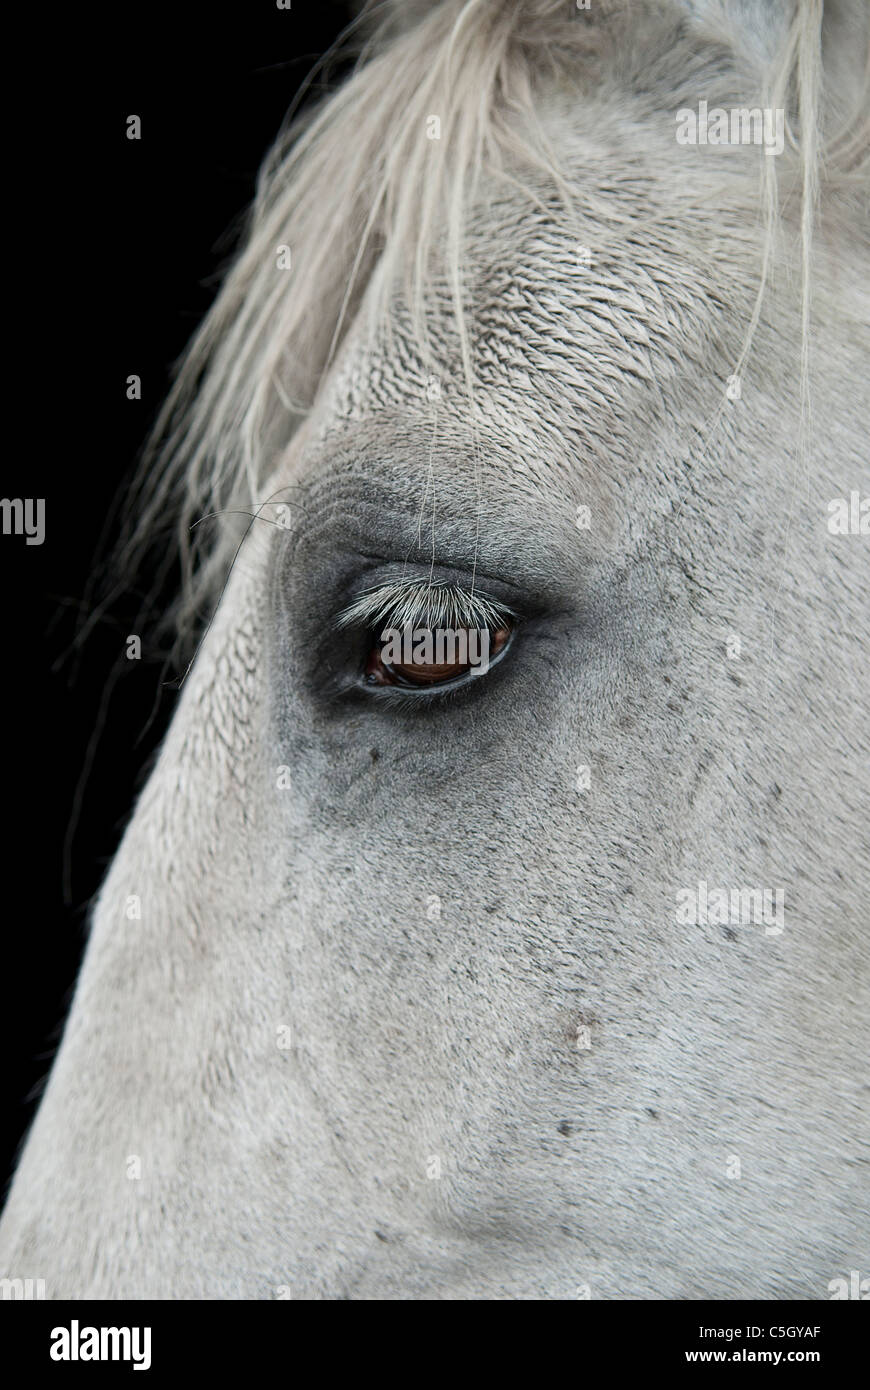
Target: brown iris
pixel 426 673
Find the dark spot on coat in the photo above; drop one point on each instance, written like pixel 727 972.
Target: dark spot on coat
pixel 565 1127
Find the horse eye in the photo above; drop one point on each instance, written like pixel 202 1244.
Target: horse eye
pixel 429 657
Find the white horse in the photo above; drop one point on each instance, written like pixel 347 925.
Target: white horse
pixel 549 981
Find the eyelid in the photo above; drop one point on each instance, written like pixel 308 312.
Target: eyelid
pixel 421 602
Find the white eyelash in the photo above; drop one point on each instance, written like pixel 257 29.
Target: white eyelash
pixel 419 603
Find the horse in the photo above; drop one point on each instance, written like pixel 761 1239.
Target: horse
pixel 544 979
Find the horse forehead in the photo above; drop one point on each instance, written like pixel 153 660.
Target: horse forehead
pixel 578 349
pixel 598 303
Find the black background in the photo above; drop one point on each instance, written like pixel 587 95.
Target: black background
pixel 119 249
